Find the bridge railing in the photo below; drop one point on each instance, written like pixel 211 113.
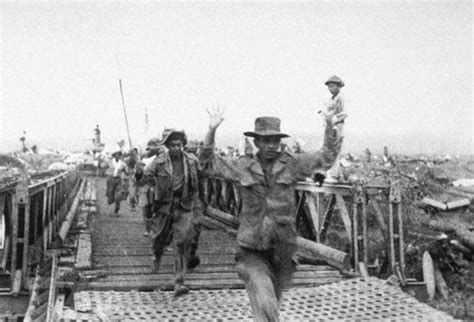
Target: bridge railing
pixel 316 209
pixel 30 217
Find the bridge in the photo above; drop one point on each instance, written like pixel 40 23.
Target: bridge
pixel 64 257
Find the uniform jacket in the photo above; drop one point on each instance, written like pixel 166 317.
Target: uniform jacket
pixel 268 201
pixel 158 174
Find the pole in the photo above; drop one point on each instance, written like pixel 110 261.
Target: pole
pixel 125 113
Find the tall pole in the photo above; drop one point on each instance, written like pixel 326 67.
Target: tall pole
pixel 125 113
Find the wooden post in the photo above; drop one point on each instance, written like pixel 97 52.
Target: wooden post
pixel 313 214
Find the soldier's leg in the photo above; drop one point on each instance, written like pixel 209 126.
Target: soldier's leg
pixel 283 267
pixel 118 194
pixel 193 259
pixel 182 236
pixel 160 238
pixel 253 267
pixel 147 218
pixel 110 190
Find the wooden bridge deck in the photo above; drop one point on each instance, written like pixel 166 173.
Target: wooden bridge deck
pixel 120 249
pixel 129 290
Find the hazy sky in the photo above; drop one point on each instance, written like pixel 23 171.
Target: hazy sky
pixel 407 66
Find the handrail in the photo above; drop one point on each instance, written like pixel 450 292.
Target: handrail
pixel 315 206
pixel 32 215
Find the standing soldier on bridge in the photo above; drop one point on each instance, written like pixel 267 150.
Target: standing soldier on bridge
pixel 174 175
pixel 336 107
pixel 267 232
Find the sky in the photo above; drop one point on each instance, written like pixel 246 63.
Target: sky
pixel 407 66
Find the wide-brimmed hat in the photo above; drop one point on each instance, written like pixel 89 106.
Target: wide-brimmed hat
pixel 117 152
pixel 153 143
pixel 336 80
pixel 267 126
pixel 172 134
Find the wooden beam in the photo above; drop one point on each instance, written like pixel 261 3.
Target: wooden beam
pixel 316 252
pixel 346 219
pixel 313 215
pixel 70 216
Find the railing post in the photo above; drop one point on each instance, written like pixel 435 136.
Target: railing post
pixel 20 200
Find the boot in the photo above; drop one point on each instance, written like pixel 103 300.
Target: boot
pixel 179 290
pixel 193 262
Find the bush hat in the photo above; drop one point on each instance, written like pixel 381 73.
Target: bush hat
pixel 172 134
pixel 335 80
pixel 267 126
pixel 117 152
pixel 153 143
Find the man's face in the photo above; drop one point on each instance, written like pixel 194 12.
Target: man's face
pixel 333 88
pixel 175 147
pixel 117 157
pixel 268 147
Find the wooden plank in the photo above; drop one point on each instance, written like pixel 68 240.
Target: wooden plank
pixel 208 276
pixel 344 190
pixel 6 252
pixel 316 251
pixel 84 252
pixel 58 307
pixel 458 203
pixel 147 260
pixel 434 203
pixel 380 218
pixel 193 284
pixel 70 216
pixel 118 270
pixel 346 219
pixel 16 285
pixel 313 215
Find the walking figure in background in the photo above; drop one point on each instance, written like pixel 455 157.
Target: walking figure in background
pixel 174 175
pixel 336 107
pixel 145 191
pixel 115 190
pixel 267 234
pixel 130 187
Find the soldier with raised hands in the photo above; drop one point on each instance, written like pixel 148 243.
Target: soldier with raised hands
pixel 267 233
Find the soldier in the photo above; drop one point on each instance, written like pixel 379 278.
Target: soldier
pixel 115 170
pixel 175 177
pixel 144 191
pixel 336 106
pixel 267 233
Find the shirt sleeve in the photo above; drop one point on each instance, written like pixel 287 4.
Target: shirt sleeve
pixel 213 165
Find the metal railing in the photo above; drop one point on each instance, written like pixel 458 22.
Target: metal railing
pixel 30 219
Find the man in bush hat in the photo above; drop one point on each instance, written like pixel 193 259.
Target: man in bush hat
pixel 174 175
pixel 267 232
pixel 115 170
pixel 336 106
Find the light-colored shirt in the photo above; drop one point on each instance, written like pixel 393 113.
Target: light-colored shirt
pixel 116 168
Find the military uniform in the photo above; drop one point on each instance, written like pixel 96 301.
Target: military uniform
pixel 173 210
pixel 267 232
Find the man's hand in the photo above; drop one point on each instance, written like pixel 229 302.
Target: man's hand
pixel 216 117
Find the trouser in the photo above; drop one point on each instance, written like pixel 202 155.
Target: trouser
pixel 265 274
pixel 335 170
pixel 176 227
pixel 114 192
pixel 147 214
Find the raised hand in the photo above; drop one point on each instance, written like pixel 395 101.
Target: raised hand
pixel 216 117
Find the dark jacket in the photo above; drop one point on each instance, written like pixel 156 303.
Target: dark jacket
pixel 159 175
pixel 268 201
